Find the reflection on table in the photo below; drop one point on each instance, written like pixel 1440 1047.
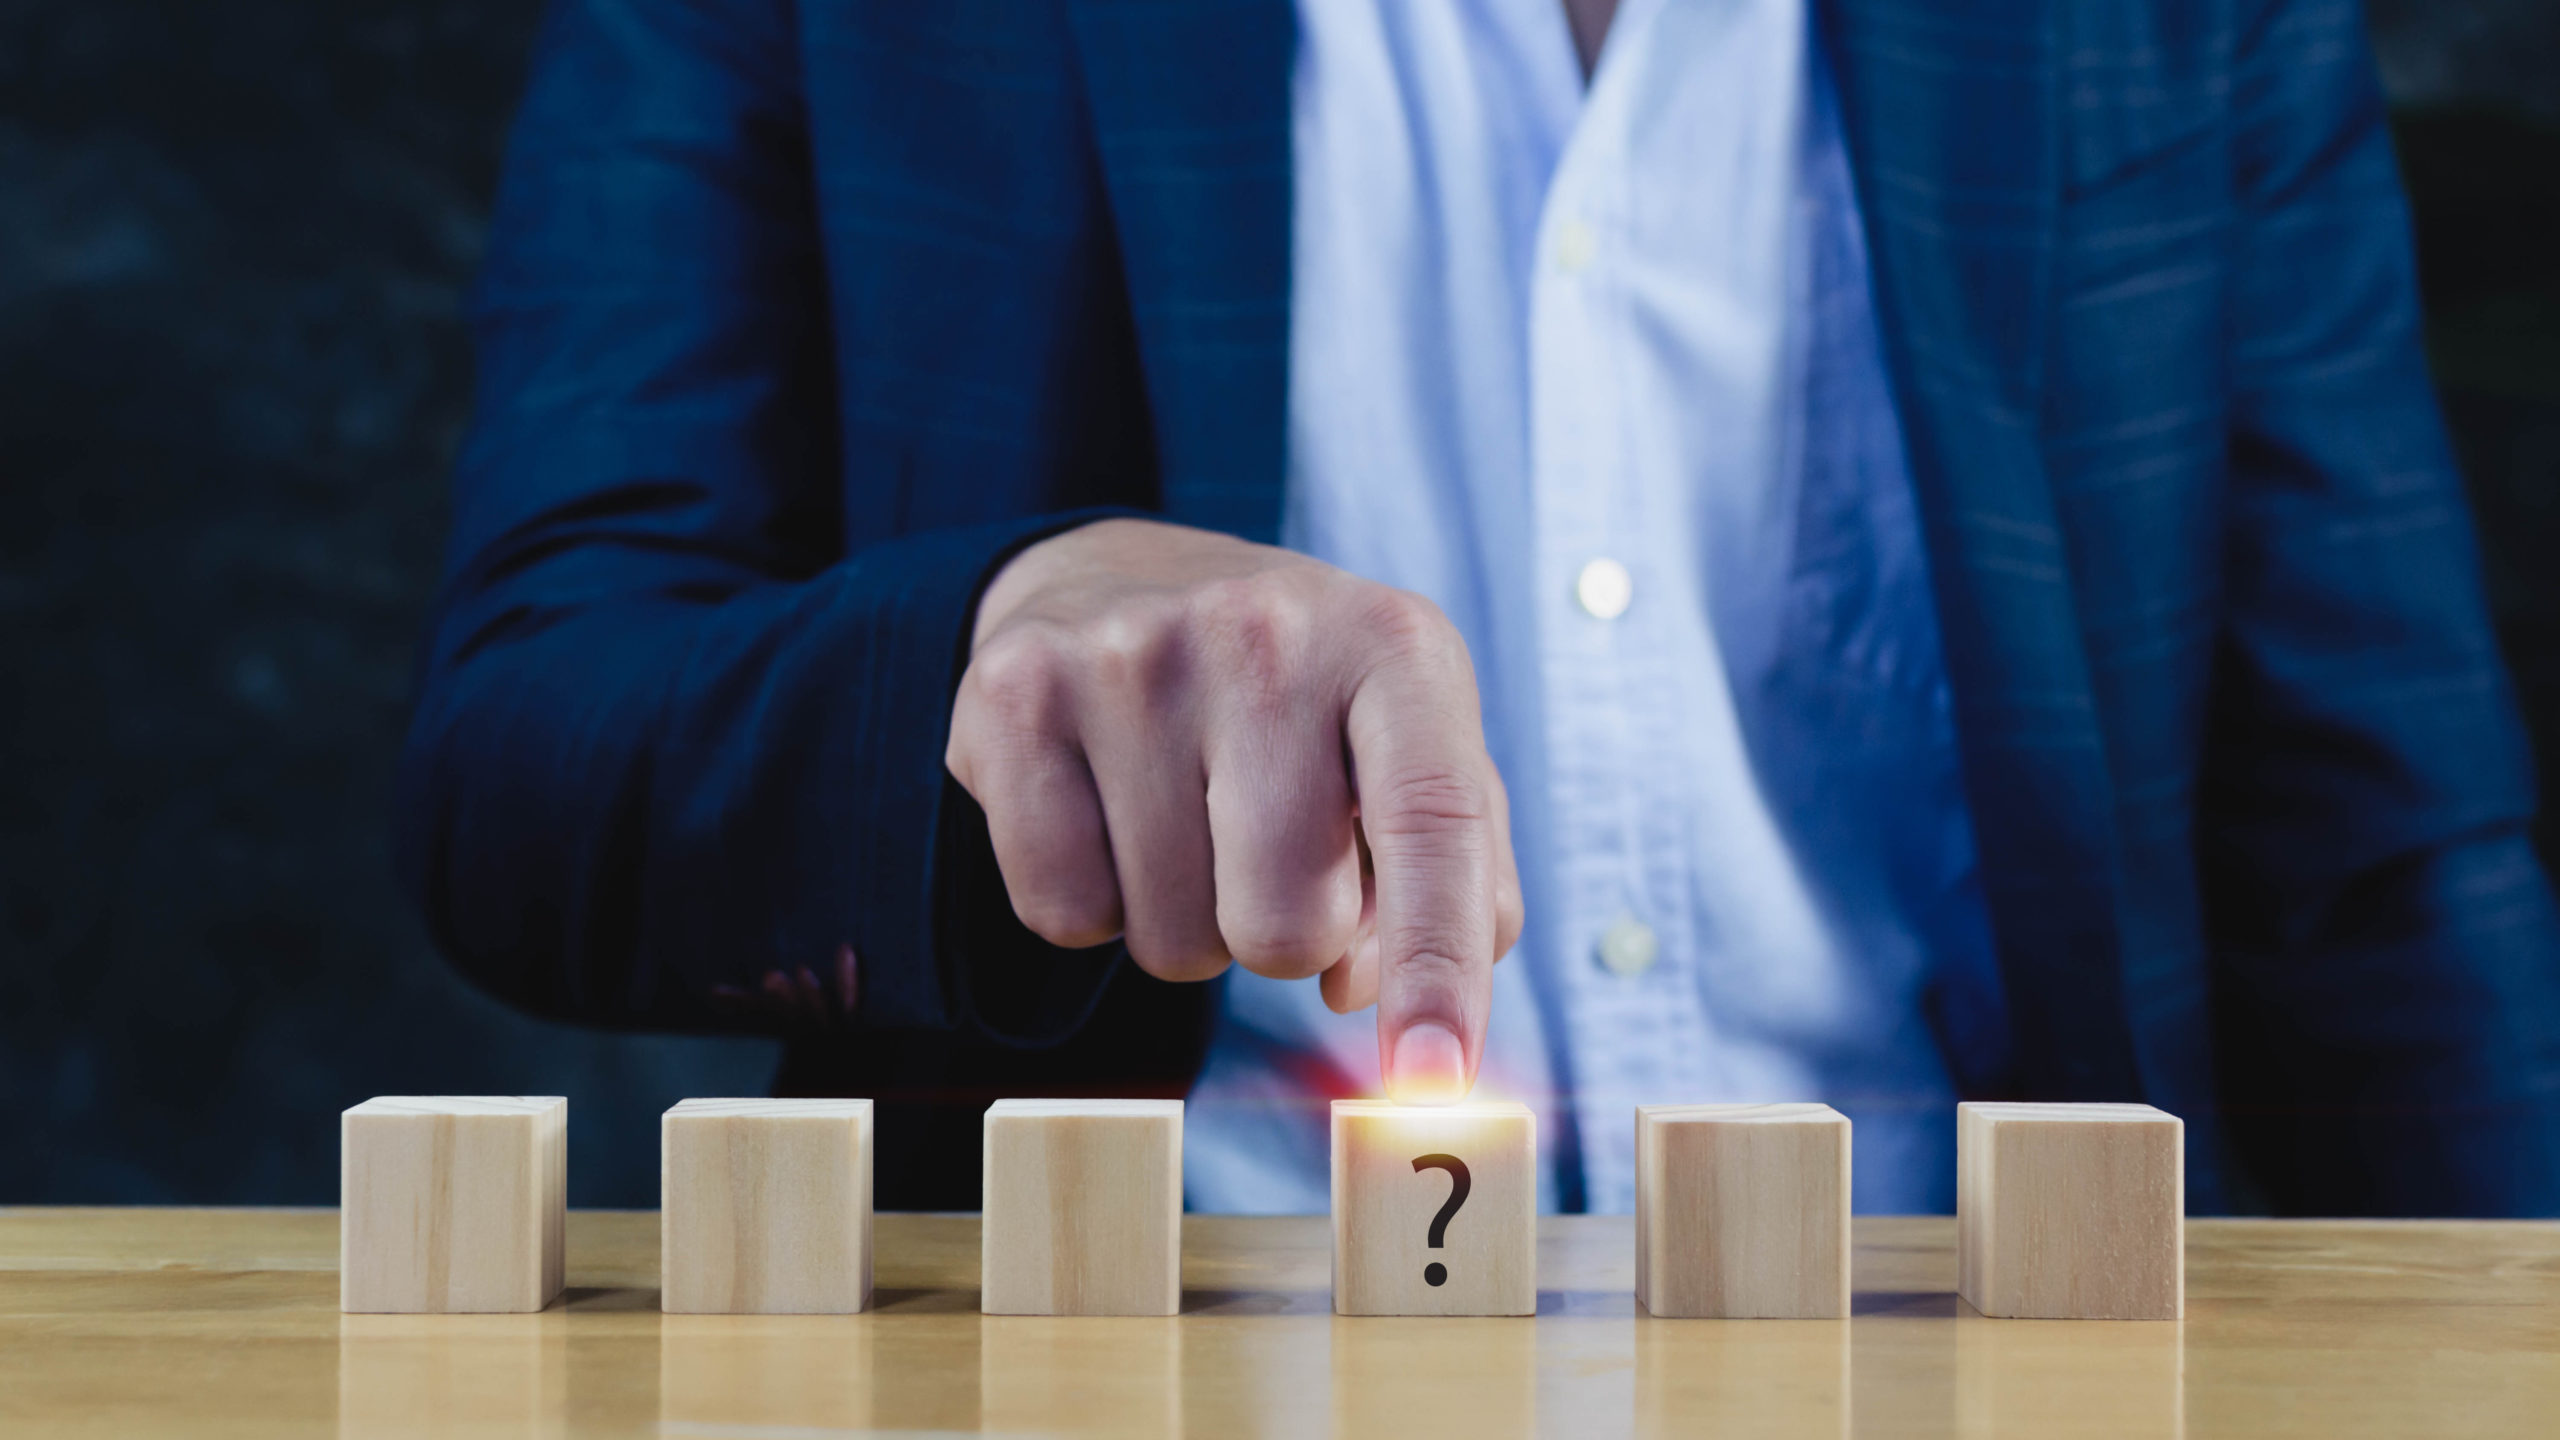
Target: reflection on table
pixel 141 1323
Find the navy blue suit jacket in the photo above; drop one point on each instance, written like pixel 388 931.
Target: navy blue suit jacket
pixel 801 316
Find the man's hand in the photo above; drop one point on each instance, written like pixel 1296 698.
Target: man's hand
pixel 1226 751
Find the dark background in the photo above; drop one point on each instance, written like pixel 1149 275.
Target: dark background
pixel 234 239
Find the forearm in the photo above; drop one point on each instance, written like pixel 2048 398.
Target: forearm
pixel 613 811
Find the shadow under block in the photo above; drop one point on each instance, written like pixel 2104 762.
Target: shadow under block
pixel 2071 1212
pixel 1742 1211
pixel 1083 1204
pixel 1392 1179
pixel 451 1203
pixel 767 1207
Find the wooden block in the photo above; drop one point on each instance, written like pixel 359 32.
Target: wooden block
pixel 1742 1211
pixel 1435 1209
pixel 1083 1208
pixel 452 1203
pixel 766 1207
pixel 2071 1212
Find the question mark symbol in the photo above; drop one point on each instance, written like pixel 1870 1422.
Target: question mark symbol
pixel 1436 1273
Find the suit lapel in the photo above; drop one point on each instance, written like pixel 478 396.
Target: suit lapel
pixel 1190 103
pixel 1951 108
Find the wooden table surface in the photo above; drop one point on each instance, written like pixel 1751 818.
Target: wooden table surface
pixel 220 1322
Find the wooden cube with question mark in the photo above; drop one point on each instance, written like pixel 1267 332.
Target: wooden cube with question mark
pixel 1435 1209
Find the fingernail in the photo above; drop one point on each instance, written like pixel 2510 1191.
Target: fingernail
pixel 1430 1066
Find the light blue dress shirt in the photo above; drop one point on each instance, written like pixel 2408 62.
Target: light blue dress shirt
pixel 1597 370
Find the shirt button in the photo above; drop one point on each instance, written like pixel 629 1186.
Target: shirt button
pixel 1628 947
pixel 1603 588
pixel 1576 244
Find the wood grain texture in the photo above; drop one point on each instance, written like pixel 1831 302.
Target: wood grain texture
pixel 145 1324
pixel 1384 1206
pixel 767 1206
pixel 1742 1211
pixel 452 1203
pixel 1083 1208
pixel 2071 1212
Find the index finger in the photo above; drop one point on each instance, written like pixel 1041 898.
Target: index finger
pixel 1433 816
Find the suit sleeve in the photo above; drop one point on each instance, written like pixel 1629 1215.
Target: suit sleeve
pixel 2385 933
pixel 670 738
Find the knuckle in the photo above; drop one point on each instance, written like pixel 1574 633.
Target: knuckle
pixel 1427 967
pixel 1171 938
pixel 1282 946
pixel 1137 648
pixel 1260 629
pixel 1406 626
pixel 1021 677
pixel 1068 919
pixel 1432 981
pixel 1426 800
pixel 1181 965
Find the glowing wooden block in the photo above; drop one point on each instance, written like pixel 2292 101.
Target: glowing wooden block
pixel 1435 1209
pixel 1083 1208
pixel 1742 1211
pixel 2071 1212
pixel 452 1203
pixel 767 1207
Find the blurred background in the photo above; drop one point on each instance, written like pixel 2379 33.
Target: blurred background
pixel 234 243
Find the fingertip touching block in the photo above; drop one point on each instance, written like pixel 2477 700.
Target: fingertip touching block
pixel 452 1203
pixel 1435 1209
pixel 2071 1212
pixel 766 1207
pixel 1742 1211
pixel 1083 1202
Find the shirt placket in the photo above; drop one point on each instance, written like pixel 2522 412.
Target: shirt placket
pixel 1624 942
